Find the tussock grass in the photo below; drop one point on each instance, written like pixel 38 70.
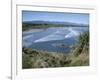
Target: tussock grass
pixel 43 59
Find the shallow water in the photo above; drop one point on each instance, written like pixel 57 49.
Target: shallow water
pixel 46 39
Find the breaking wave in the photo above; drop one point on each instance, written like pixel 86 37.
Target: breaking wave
pixel 50 34
pixel 59 35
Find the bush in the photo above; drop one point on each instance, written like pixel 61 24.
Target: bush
pixel 26 61
pixel 82 43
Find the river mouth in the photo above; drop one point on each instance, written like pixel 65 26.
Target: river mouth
pixel 54 39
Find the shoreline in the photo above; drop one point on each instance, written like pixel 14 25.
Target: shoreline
pixel 32 30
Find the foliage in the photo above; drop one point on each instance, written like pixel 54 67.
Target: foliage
pixel 26 61
pixel 82 43
pixel 27 26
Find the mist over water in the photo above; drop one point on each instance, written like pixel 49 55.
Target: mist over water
pixel 46 39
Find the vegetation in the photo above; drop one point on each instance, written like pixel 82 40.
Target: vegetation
pixel 79 56
pixel 27 26
pixel 82 43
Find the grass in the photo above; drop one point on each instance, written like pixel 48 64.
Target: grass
pixel 43 59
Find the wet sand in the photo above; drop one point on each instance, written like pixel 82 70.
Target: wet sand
pixel 32 30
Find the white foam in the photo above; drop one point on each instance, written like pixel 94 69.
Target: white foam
pixel 49 38
pixel 28 36
pixel 72 33
pixel 57 35
pixel 27 40
pixel 54 34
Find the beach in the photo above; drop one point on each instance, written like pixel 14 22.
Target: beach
pixel 32 30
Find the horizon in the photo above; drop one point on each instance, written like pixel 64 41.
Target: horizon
pixel 79 18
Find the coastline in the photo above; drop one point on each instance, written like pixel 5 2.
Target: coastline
pixel 32 30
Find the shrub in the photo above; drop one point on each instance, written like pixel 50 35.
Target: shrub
pixel 26 61
pixel 82 43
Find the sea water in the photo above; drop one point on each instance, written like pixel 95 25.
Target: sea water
pixel 47 39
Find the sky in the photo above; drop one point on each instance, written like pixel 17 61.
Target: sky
pixel 81 18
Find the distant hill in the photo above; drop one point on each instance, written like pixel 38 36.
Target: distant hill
pixel 55 22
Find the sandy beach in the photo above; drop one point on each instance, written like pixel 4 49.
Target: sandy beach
pixel 32 30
